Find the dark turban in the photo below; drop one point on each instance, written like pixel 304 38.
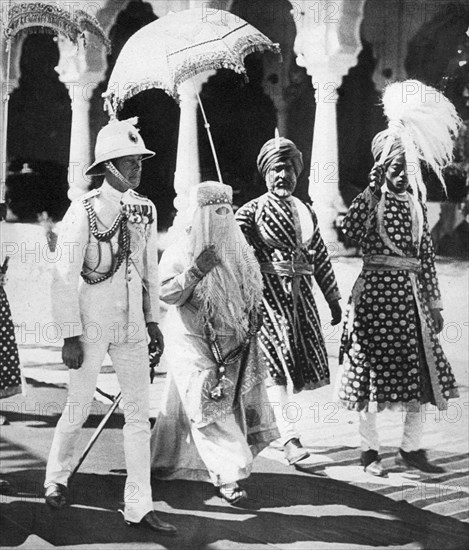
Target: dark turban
pixel 270 155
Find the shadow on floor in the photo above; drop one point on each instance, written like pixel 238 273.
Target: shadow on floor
pixel 286 509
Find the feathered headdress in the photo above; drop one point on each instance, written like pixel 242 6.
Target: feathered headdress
pixel 427 124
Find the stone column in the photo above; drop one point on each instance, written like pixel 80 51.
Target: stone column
pixel 187 161
pixel 80 147
pixel 275 82
pixel 327 45
pixel 9 81
pixel 74 71
pixel 281 106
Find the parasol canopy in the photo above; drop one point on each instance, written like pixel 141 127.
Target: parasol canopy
pixel 178 46
pixel 42 17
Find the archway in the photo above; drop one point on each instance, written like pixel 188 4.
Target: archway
pixel 38 133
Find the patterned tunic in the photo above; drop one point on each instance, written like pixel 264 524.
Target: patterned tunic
pixel 291 337
pixel 390 354
pixel 10 379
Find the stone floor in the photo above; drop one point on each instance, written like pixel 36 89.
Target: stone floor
pixel 327 502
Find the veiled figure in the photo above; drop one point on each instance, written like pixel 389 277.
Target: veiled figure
pixel 214 417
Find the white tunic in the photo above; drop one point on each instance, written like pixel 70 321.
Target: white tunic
pixel 78 307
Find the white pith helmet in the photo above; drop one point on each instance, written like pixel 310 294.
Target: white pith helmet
pixel 117 139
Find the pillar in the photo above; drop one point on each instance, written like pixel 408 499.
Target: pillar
pixel 324 174
pixel 80 150
pixel 10 53
pixel 327 44
pixel 75 73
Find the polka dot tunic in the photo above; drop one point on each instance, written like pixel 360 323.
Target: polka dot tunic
pixel 390 354
pixel 10 377
pixel 291 337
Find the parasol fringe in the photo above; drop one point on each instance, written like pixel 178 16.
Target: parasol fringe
pixel 90 24
pixel 243 47
pixel 231 59
pixel 193 68
pixel 41 25
pixel 118 102
pixel 50 19
pixel 222 60
pixel 27 31
pixel 27 16
pixel 246 46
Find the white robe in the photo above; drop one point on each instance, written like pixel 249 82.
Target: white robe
pixel 195 437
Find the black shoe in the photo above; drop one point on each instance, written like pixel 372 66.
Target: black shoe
pixel 56 496
pixel 6 488
pixel 153 522
pixel 372 463
pixel 418 459
pixel 294 451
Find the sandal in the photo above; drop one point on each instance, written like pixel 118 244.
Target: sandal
pixel 232 493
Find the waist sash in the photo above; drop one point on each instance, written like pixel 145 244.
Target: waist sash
pixel 296 270
pixel 287 268
pixel 380 262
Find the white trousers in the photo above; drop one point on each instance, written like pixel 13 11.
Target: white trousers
pixel 280 399
pixel 130 361
pixel 411 438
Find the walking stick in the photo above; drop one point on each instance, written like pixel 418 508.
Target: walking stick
pixel 98 431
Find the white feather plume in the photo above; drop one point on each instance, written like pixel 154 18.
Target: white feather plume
pixel 427 118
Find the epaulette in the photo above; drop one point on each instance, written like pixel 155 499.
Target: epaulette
pixel 138 196
pixel 89 195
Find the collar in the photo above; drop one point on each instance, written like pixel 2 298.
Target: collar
pixel 404 196
pixel 110 193
pixel 288 199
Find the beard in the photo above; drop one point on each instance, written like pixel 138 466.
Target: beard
pixel 282 189
pixel 281 192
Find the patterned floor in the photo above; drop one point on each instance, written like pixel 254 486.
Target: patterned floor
pixel 446 494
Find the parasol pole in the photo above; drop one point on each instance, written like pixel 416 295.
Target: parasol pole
pixel 5 93
pixel 207 127
pixel 5 100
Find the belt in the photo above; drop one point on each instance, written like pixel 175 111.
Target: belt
pixel 288 268
pixel 380 262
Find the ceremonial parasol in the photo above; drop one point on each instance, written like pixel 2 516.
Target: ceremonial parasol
pixel 177 47
pixel 41 17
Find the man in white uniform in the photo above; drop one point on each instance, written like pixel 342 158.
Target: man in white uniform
pixel 105 300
